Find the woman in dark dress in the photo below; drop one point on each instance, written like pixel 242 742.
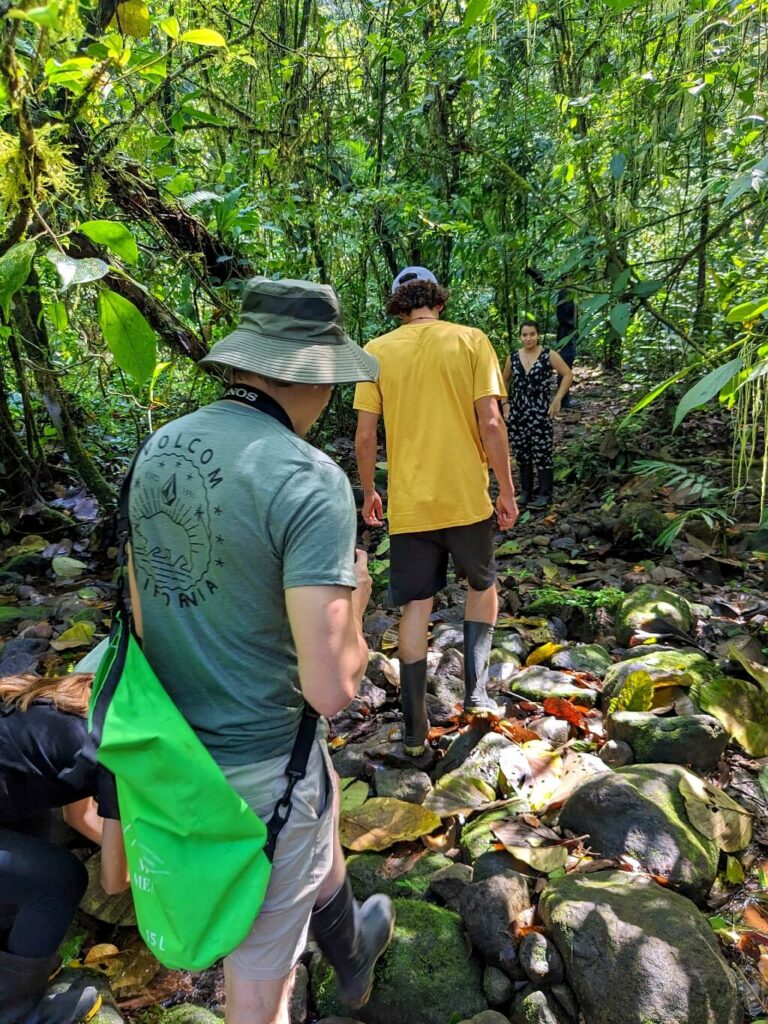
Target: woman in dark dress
pixel 531 409
pixel 42 733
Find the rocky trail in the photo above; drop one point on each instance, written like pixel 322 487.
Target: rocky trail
pixel 599 853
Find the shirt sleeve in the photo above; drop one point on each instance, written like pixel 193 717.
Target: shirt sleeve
pixel 368 397
pixel 313 525
pixel 106 794
pixel 487 381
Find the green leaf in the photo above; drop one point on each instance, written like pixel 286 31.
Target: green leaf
pixel 618 165
pixel 621 314
pixel 72 271
pixel 113 236
pixel 15 266
pixel 734 872
pixel 203 37
pixel 475 10
pixel 716 815
pixel 706 389
pixel 647 288
pixel 79 635
pixel 509 547
pixel 47 17
pixel 747 311
pixel 635 695
pixel 68 568
pixel 384 821
pixel 353 793
pixel 132 19
pixel 171 27
pixel 741 707
pixel 458 794
pixel 57 311
pixel 129 337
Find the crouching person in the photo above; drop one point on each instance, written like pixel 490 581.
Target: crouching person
pixel 249 596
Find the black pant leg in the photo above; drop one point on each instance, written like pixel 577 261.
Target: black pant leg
pixel 44 885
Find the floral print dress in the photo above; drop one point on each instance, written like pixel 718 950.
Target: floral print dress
pixel 529 425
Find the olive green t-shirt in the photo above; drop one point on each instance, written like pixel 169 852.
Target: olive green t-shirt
pixel 228 509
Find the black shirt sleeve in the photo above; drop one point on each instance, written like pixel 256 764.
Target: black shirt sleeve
pixel 106 794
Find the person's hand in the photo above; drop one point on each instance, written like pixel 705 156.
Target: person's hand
pixel 507 511
pixel 554 408
pixel 373 510
pixel 361 595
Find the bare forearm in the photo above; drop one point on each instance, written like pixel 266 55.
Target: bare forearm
pixel 565 384
pixel 365 451
pixel 496 446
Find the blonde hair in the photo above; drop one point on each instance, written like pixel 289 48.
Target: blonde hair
pixel 70 693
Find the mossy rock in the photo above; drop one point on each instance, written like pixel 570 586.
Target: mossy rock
pixel 363 871
pixel 537 1008
pixel 116 909
pixel 583 658
pixel 696 740
pixel 426 976
pixel 639 811
pixel 652 606
pixel 476 836
pixel 639 524
pixel 537 682
pixel 189 1014
pixel 684 667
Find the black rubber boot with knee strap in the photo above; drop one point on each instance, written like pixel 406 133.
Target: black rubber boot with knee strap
pixel 352 936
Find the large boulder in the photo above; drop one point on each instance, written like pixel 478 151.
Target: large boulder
pixel 697 740
pixel 489 909
pixel 424 977
pixel 638 953
pixel 682 667
pixel 537 683
pixel 639 811
pixel 583 658
pixel 651 608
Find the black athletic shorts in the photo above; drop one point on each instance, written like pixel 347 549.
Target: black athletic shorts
pixel 418 562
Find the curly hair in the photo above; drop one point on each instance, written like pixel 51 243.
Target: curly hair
pixel 416 295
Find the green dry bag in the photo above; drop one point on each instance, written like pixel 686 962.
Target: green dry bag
pixel 199 858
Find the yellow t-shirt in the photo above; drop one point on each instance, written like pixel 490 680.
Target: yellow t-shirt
pixel 431 375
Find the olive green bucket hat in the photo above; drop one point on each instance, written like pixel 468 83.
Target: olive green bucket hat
pixel 291 330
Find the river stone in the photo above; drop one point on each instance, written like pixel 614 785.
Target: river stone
pixel 540 960
pixel 363 870
pixel 424 977
pixel 697 740
pixel 117 909
pixel 511 641
pixel 21 655
pixel 497 987
pixel 650 606
pixel 477 838
pixel 407 784
pixel 566 1000
pixel 639 524
pixel 636 952
pixel 299 1006
pixel 448 884
pixel 639 811
pixel 189 1014
pixel 537 683
pixel 493 862
pixel 537 1008
pixel 487 1017
pixel 675 667
pixel 583 658
pixel 554 730
pixel 616 754
pixel 488 909
pixel 354 759
pixel 483 761
pixel 451 664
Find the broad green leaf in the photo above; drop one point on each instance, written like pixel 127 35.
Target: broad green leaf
pixel 475 10
pixel 621 281
pixel 114 236
pixel 129 337
pixel 747 311
pixel 636 694
pixel 657 391
pixel 72 271
pixel 509 547
pixel 706 389
pixel 384 821
pixel 734 872
pixel 79 635
pixel 57 311
pixel 203 37
pixel 621 314
pixel 132 19
pixel 618 165
pixel 171 27
pixel 458 794
pixel 647 288
pixel 47 17
pixel 68 568
pixel 715 814
pixel 749 654
pixel 13 612
pixel 741 707
pixel 15 266
pixel 353 793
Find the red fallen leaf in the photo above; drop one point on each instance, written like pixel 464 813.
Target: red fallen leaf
pixel 515 731
pixel 574 714
pixel 396 865
pixel 520 931
pixel 755 920
pixel 436 731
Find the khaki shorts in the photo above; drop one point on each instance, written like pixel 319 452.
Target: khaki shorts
pixel 303 858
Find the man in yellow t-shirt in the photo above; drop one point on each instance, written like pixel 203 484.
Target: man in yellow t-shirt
pixel 438 391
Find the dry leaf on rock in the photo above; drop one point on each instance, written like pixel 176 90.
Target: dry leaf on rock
pixel 715 814
pixel 535 845
pixel 543 653
pixel 749 654
pixel 79 635
pixel 100 952
pixel 459 794
pixel 383 821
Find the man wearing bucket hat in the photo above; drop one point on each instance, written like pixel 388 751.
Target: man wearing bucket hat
pixel 249 596
pixel 438 391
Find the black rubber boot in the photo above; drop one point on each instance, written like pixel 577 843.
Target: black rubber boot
pixel 477 650
pixel 526 484
pixel 413 698
pixel 79 1002
pixel 569 402
pixel 352 937
pixel 546 486
pixel 23 987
